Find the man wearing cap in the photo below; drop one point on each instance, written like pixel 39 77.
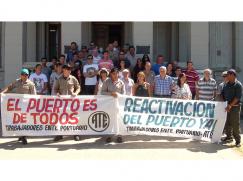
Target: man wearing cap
pixel 221 85
pixel 112 86
pixel 21 86
pixel 66 85
pixel 128 82
pixel 232 92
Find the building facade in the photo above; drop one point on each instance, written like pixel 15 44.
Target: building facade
pixel 216 45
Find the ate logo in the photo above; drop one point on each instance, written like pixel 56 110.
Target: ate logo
pixel 99 121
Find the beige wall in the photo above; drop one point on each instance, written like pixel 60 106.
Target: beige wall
pixel 143 35
pixel 200 44
pixel 71 31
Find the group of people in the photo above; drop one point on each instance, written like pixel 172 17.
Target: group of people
pixel 92 71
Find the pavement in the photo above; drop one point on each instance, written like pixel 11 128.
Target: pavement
pixel 133 148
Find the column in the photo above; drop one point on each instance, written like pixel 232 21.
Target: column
pixel 184 41
pixel 31 42
pixel 238 49
pixel 13 51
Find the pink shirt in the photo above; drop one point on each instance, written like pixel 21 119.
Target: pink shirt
pixel 108 64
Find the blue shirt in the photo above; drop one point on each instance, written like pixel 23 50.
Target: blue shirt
pixel 162 85
pixel 156 67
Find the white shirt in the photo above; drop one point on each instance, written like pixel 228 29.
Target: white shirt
pixel 183 92
pixel 90 68
pixel 96 60
pixel 128 86
pixel 39 81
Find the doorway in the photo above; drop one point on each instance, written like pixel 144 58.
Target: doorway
pixel 104 33
pixel 53 40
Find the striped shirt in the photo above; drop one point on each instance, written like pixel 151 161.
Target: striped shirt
pixel 192 77
pixel 206 89
pixel 162 86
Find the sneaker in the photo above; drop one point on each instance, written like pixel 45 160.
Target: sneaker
pixel 237 144
pixel 20 138
pixel 76 138
pixel 24 140
pixel 57 138
pixel 227 140
pixel 108 140
pixel 119 139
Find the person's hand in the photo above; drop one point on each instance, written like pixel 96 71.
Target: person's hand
pixel 114 94
pixel 58 95
pixel 227 109
pixel 74 94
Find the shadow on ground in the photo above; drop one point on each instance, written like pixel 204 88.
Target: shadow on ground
pixel 130 142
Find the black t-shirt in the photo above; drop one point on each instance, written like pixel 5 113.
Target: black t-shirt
pixel 232 90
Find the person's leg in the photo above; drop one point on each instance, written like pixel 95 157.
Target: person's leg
pixel 236 124
pixel 119 139
pixel 57 138
pixel 228 128
pixel 24 140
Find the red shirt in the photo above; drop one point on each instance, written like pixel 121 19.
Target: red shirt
pixel 192 77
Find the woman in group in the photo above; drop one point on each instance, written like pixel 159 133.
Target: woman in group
pixel 103 75
pixel 121 67
pixel 142 88
pixel 169 70
pixel 182 90
pixel 138 67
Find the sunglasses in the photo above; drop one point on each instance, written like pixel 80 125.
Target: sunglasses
pixel 25 74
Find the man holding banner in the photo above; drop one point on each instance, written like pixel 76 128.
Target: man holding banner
pixel 66 85
pixel 232 92
pixel 112 86
pixel 21 86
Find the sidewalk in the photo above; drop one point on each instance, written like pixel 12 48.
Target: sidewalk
pixel 134 147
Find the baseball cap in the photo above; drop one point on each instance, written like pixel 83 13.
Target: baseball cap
pixel 224 73
pixel 125 70
pixel 66 66
pixel 103 70
pixel 231 71
pixel 24 71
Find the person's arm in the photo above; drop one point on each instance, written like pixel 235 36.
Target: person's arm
pixel 123 89
pixel 77 88
pixel 8 88
pixel 134 88
pixel 197 91
pixel 45 84
pixel 238 93
pixel 56 88
pixel 104 88
pixel 215 92
pixel 85 72
pixel 149 90
pixel 33 89
pixel 189 92
pixel 96 88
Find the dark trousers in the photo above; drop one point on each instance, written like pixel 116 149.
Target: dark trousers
pixel 89 89
pixel 232 125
